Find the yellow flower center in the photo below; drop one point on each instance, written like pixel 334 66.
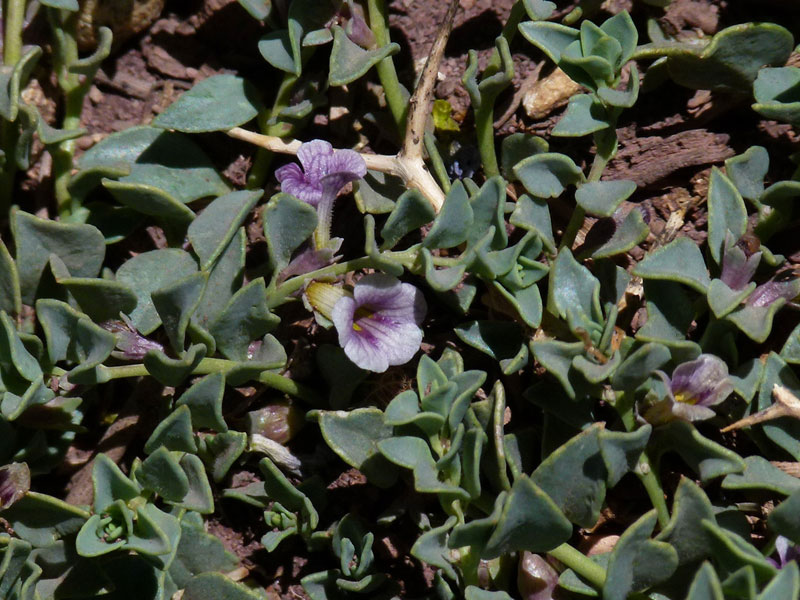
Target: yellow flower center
pixel 362 312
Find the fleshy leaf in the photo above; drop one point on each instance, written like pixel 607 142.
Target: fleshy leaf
pixel 533 214
pixel 80 247
pixel 244 319
pixel 172 371
pixel 706 458
pixel 502 340
pixel 517 147
pixel 602 198
pixel 775 91
pixel 726 212
pixel 680 261
pixel 584 115
pixel 72 336
pixel 150 200
pixel 732 59
pixel 760 474
pixel 684 531
pixel 546 175
pixel 42 520
pixel 167 160
pixel 10 295
pixel 581 495
pixel 574 293
pixel 529 520
pixel 354 436
pixel 215 104
pixel 173 433
pixel 211 232
pixel 413 453
pixel 210 586
pixel 747 170
pixel 452 225
pixel 785 431
pixel 632 231
pixel 147 272
pixel 204 400
pixel 349 61
pixel 175 303
pixel 705 585
pixel 288 222
pixel 411 212
pixel 637 562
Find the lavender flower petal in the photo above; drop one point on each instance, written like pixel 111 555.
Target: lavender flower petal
pixel 315 156
pixel 15 482
pixel 379 326
pixel 324 172
pixel 771 291
pixel 738 268
pixel 695 386
pixel 703 381
pixel 295 182
pixel 786 551
pixel 359 32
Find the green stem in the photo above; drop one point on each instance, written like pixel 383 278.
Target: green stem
pixel 652 485
pixel 509 31
pixel 295 284
pixel 14 18
pixel 581 564
pixel 484 129
pixel 74 87
pixel 260 169
pixel 395 98
pixel 215 365
pixel 436 162
pixel 606 149
pixel 644 469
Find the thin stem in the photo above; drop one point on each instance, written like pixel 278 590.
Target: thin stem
pixel 601 158
pixel 644 469
pixel 295 284
pixel 509 31
pixel 484 129
pixel 260 169
pixel 652 485
pixel 581 564
pixel 395 98
pixel 75 88
pixel 14 17
pixel 216 365
pixel 436 160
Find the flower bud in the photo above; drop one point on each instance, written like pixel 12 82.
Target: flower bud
pixel 15 481
pixel 278 421
pixel 536 579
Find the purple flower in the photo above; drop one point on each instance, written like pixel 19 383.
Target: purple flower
pixel 324 172
pixel 738 265
pixel 695 386
pixel 786 552
pixel 379 326
pixel 130 345
pixel 15 482
pixel 772 290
